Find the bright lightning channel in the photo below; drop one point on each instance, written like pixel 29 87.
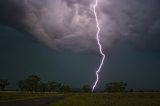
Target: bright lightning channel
pixel 94 6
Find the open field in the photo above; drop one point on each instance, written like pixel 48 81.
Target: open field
pixel 111 99
pixel 14 96
pixel 79 99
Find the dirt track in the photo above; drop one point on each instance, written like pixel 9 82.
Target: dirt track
pixel 45 101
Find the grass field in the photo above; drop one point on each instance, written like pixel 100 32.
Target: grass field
pixel 90 99
pixel 111 99
pixel 13 96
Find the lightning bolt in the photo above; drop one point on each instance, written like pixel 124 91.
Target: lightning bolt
pixel 94 6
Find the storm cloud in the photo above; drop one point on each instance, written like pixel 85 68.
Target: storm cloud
pixel 70 24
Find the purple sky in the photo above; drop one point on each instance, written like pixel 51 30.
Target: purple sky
pixel 130 35
pixel 70 24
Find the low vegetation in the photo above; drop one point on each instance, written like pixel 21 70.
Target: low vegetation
pixel 13 96
pixel 89 99
pixel 111 99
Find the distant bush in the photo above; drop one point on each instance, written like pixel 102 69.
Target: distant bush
pixel 86 88
pixel 3 83
pixel 116 87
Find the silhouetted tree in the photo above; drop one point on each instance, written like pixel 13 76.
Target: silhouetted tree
pixel 21 85
pixel 53 86
pixel 86 88
pixel 33 83
pixel 141 90
pixel 29 84
pixel 65 88
pixel 116 87
pixel 131 90
pixel 3 83
pixel 42 87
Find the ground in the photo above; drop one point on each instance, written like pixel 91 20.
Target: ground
pixel 80 99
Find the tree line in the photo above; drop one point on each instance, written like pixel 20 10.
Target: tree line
pixel 33 83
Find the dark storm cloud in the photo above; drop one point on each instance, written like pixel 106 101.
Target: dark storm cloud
pixel 11 12
pixel 70 24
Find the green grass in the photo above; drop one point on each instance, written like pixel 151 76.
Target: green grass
pixel 13 96
pixel 111 99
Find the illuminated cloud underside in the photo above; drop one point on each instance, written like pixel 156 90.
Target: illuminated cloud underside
pixel 70 24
